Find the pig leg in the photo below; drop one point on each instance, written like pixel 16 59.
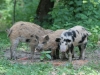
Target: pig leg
pixel 63 55
pixel 70 56
pixel 32 52
pixel 71 53
pixel 82 49
pixel 56 55
pixel 13 48
pixel 53 54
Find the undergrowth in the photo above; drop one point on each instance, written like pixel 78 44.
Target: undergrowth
pixel 41 68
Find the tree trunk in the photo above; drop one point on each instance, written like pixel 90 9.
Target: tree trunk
pixel 44 7
pixel 13 20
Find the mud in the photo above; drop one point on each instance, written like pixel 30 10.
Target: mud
pixel 24 58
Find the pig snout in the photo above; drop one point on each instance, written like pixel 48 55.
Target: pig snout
pixel 39 49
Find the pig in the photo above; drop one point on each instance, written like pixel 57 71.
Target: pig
pixel 75 36
pixel 25 32
pixel 48 43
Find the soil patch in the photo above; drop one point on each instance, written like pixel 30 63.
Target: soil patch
pixel 24 58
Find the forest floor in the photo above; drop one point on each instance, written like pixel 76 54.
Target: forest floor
pixel 24 58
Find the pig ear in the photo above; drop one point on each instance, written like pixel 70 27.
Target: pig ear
pixel 37 37
pixel 57 39
pixel 8 32
pixel 46 38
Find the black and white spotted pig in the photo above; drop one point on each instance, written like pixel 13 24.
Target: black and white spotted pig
pixel 76 36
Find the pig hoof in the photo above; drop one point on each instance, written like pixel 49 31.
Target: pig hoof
pixel 41 60
pixel 54 58
pixel 80 58
pixel 57 57
pixel 73 56
pixel 13 58
pixel 64 59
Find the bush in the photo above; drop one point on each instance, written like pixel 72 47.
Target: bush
pixel 75 13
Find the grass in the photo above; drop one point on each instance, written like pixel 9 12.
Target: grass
pixel 45 69
pixel 4 41
pixel 41 68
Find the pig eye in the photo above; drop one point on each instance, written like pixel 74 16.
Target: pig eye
pixel 67 40
pixel 35 40
pixel 65 43
pixel 62 42
pixel 43 42
pixel 61 37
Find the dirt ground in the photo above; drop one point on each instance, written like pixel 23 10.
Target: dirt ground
pixel 24 58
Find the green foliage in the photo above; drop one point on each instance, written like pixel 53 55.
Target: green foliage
pixel 45 55
pixel 69 13
pixel 95 30
pixel 4 41
pixel 2 4
pixel 5 15
pixel 7 68
pixel 25 11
